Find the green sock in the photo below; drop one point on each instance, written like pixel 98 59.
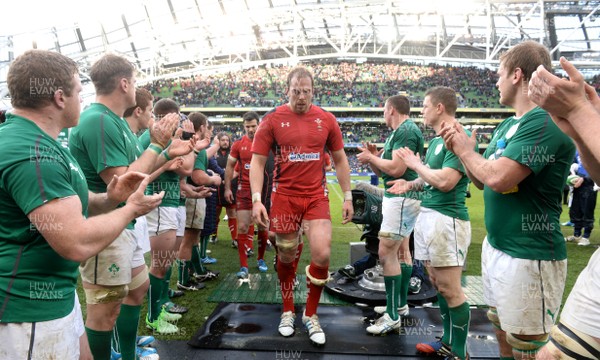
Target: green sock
pixel 406 274
pixel 392 292
pixel 126 329
pixel 184 271
pixel 114 342
pixel 506 358
pixel 204 242
pixel 99 343
pixel 445 313
pixel 196 261
pixel 164 295
pixel 154 292
pixel 460 317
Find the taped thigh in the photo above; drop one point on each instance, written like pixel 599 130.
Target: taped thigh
pixel 526 346
pixel 286 245
pixel 574 343
pixel 106 295
pixel 139 279
pixel 492 314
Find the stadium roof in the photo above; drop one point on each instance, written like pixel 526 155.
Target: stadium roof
pixel 167 37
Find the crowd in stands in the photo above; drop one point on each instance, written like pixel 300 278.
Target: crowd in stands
pixel 336 84
pixel 342 84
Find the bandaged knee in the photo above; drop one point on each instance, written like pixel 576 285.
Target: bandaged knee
pixel 492 315
pixel 314 280
pixel 527 346
pixel 106 295
pixel 139 279
pixel 574 343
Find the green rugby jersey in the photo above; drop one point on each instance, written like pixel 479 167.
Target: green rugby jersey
pixel 36 283
pixel 524 221
pixel 408 135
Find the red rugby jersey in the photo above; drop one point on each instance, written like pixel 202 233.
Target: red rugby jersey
pixel 241 151
pixel 298 142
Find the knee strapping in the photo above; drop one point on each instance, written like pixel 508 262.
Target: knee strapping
pixel 287 245
pixel 529 346
pixel 492 315
pixel 314 280
pixel 574 343
pixel 106 295
pixel 139 279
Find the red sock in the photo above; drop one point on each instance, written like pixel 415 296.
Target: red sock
pixel 297 258
pixel 263 236
pixel 314 291
pixel 285 272
pixel 232 223
pixel 250 243
pixel 242 239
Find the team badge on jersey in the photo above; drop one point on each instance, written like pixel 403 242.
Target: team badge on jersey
pixel 114 269
pixel 319 121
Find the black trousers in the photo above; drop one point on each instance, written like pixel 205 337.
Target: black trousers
pixel 582 208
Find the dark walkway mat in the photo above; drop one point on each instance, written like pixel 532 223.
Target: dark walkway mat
pixel 253 327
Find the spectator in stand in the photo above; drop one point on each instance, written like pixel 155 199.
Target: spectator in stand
pixel 583 205
pixel 339 84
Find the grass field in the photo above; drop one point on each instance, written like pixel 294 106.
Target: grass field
pixel 228 261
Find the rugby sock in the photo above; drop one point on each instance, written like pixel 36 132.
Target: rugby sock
pixel 154 293
pixel 203 245
pixel 196 261
pixel 445 313
pixel 164 295
pixel 297 258
pixel 392 293
pixel 242 240
pixel 285 273
pixel 114 343
pixel 460 318
pixel 99 343
pixel 506 358
pixel 263 236
pixel 314 291
pixel 184 271
pixel 232 223
pixel 250 238
pixel 126 328
pixel 406 274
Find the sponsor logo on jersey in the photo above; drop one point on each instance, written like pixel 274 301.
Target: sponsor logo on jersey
pixel 304 156
pixel 284 124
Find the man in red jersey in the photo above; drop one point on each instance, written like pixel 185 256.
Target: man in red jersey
pixel 298 133
pixel 240 151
